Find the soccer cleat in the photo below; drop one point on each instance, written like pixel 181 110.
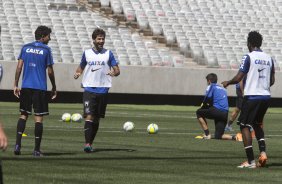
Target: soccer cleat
pixel 228 128
pixel 262 160
pixel 203 136
pixel 207 136
pixel 239 137
pixel 17 150
pixel 247 165
pixel 37 153
pixel 88 148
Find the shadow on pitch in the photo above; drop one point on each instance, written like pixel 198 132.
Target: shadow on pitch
pixel 109 150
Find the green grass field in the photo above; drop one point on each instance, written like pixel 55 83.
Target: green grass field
pixel 171 156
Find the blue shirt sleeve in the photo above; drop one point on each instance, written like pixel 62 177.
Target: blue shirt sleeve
pixel 49 57
pixel 112 60
pixel 209 91
pixel 21 54
pixel 83 61
pixel 245 65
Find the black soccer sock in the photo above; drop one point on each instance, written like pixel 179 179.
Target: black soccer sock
pixel 20 130
pixel 95 126
pixel 207 132
pixel 38 131
pixel 88 131
pixel 260 137
pixel 262 146
pixel 250 154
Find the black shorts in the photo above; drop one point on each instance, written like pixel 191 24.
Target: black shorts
pixel 253 112
pixel 95 104
pixel 219 117
pixel 239 99
pixel 36 99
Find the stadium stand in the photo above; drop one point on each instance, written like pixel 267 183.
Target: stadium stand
pixel 72 26
pixel 152 32
pixel 212 32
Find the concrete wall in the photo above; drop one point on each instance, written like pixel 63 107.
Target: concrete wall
pixel 142 80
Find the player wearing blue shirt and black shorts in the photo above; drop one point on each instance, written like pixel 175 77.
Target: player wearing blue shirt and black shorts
pixel 99 66
pixel 258 69
pixel 215 106
pixel 34 59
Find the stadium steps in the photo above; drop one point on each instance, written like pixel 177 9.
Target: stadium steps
pixel 147 34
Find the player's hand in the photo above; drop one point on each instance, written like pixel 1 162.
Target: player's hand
pixel 53 94
pixel 111 73
pixel 3 140
pixel 76 75
pixel 225 84
pixel 17 91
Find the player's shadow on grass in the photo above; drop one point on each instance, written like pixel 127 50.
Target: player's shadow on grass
pixel 58 154
pixel 112 149
pixel 274 165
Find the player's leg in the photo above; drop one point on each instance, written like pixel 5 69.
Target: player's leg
pixel 25 109
pixel 40 106
pixel 95 126
pixel 248 115
pixel 100 111
pixel 232 118
pixel 259 132
pixel 89 103
pixel 201 116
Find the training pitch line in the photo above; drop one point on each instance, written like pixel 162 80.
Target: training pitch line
pixel 168 131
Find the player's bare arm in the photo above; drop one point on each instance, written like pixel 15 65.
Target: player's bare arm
pixel 272 78
pixel 51 75
pixel 115 72
pixel 17 77
pixel 237 78
pixel 78 72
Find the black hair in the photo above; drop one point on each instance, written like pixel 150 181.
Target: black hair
pixel 41 32
pixel 212 77
pixel 255 39
pixel 98 31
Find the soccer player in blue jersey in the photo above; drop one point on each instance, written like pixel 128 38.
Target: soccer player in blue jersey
pixel 258 68
pixel 35 58
pixel 99 66
pixel 215 106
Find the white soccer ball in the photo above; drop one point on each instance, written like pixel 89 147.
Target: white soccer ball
pixel 76 117
pixel 128 126
pixel 152 128
pixel 66 117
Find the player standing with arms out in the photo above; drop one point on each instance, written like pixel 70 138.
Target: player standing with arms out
pixel 34 58
pixel 258 67
pixel 99 66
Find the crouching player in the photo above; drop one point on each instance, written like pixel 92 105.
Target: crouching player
pixel 215 106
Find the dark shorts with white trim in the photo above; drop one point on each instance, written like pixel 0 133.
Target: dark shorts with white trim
pixel 36 99
pixel 95 104
pixel 253 112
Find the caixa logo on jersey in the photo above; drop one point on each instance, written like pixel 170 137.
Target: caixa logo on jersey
pixel 34 51
pixel 97 63
pixel 262 62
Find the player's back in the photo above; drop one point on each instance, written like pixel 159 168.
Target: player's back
pixel 36 57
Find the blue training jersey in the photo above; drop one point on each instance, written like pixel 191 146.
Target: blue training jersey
pixel 111 62
pixel 36 57
pixel 218 95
